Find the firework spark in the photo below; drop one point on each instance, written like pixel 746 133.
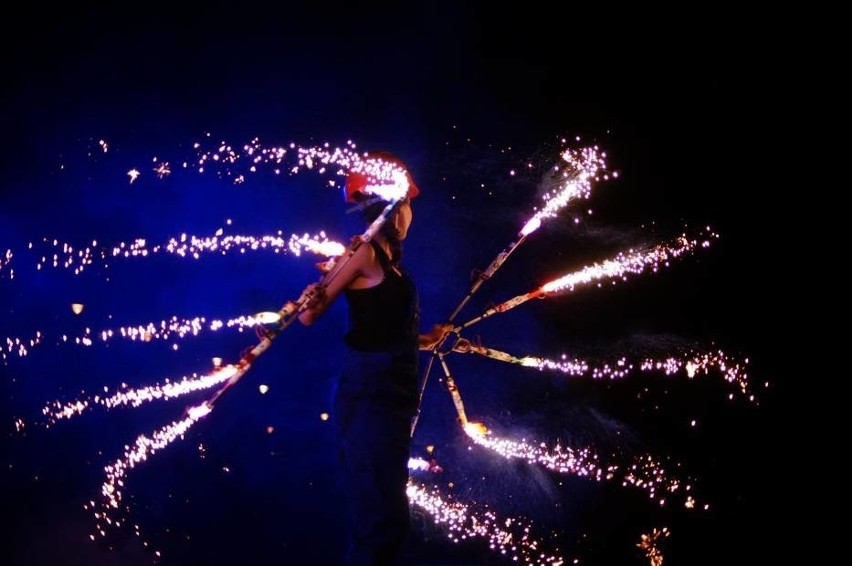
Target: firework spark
pixel 644 472
pixel 509 537
pixel 62 255
pixel 116 473
pixel 615 269
pixel 650 544
pixel 691 365
pixel 134 397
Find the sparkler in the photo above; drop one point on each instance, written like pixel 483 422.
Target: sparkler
pixel 583 166
pixel 616 268
pixel 389 183
pixel 581 169
pixel 394 193
pixel 633 263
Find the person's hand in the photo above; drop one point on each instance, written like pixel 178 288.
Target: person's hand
pixel 313 294
pixel 435 336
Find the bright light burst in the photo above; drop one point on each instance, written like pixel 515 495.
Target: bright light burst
pixel 511 537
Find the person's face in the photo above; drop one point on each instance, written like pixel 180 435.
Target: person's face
pixel 402 218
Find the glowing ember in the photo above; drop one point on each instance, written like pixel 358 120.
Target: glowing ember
pixel 650 544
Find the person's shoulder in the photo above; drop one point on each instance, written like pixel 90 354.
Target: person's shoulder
pixel 365 254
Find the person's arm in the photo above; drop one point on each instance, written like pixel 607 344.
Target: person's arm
pixel 335 282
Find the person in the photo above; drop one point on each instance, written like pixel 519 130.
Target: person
pixel 376 394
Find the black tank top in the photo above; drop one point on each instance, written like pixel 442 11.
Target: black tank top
pixel 384 317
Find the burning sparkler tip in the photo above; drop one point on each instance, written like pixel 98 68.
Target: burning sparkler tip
pixel 476 429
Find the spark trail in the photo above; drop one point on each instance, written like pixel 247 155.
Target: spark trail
pixel 509 537
pixel 644 472
pixel 691 364
pixel 172 329
pixel 116 473
pixel 56 254
pixel 134 397
pixel 184 246
pixel 615 269
pixel 566 184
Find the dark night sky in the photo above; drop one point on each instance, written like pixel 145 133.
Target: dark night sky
pixel 683 110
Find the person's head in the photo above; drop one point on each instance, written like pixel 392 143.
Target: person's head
pixel 396 226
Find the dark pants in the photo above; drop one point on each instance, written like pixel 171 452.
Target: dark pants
pixel 374 402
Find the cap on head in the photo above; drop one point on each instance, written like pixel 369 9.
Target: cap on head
pixel 357 181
